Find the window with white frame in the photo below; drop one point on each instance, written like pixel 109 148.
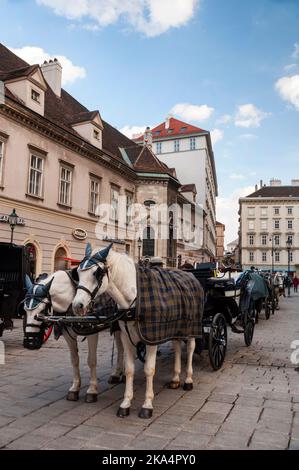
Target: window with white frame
pixel 276 210
pixel 251 256
pixel 192 143
pixel 35 181
pixel 159 147
pixel 276 224
pixel 277 256
pixel 1 159
pixel 277 240
pixel 290 224
pixel 291 256
pixel 177 145
pixel 114 203
pixel 251 240
pixel 96 134
pixel 251 211
pixel 251 225
pixel 35 96
pixel 290 239
pixel 94 194
pixel 264 240
pixel 264 225
pixel 264 256
pixel 290 210
pixel 65 185
pixel 264 211
pixel 129 202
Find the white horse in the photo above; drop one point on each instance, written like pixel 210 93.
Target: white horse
pixel 118 279
pixel 58 291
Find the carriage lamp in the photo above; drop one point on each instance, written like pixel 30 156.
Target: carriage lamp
pixel 12 220
pixel 139 244
pixel 289 246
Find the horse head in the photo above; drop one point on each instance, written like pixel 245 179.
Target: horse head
pixel 93 279
pixel 35 304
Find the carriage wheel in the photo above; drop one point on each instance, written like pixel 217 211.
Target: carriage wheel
pixel 249 323
pixel 217 341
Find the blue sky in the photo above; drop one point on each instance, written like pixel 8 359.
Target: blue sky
pixel 234 65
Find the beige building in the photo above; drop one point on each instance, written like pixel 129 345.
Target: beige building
pixel 189 150
pixel 269 227
pixel 220 233
pixel 59 162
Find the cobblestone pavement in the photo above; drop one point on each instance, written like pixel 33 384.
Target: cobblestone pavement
pixel 252 402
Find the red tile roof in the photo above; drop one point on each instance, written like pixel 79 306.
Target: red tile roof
pixel 188 188
pixel 176 128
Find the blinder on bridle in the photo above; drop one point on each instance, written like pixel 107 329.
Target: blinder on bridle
pixel 36 295
pixel 99 274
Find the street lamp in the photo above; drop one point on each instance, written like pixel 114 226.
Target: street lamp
pixel 139 244
pixel 289 246
pixel 12 220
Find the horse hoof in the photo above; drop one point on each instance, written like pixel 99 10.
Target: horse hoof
pixel 72 396
pixel 91 397
pixel 173 385
pixel 187 387
pixel 123 412
pixel 114 379
pixel 145 413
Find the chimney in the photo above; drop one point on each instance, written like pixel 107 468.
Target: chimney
pixel 261 183
pixel 275 182
pixel 148 137
pixel 295 182
pixel 167 121
pixel 256 187
pixel 52 72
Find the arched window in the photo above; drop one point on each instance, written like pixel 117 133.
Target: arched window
pixel 31 251
pixel 59 261
pixel 148 246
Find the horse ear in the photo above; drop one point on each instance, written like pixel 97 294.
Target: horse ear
pixel 88 250
pixel 47 286
pixel 102 255
pixel 28 283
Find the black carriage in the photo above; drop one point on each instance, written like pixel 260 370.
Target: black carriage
pixel 14 265
pixel 227 303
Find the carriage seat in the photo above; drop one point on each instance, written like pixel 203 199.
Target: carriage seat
pixel 221 283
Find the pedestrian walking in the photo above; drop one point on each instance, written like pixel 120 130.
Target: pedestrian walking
pixel 295 283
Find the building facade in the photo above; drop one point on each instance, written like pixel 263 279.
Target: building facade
pixel 189 150
pixel 220 233
pixel 269 228
pixel 60 162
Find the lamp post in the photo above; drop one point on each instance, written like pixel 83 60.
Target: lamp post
pixel 12 220
pixel 289 245
pixel 139 244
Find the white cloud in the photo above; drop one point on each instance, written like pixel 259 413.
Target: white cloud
pixel 227 211
pixel 151 17
pixel 225 119
pixel 289 67
pixel 216 135
pixel 248 136
pixel 237 176
pixel 295 54
pixel 36 55
pixel 192 112
pixel 288 88
pixel 248 115
pixel 131 131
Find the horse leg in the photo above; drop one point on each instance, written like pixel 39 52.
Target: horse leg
pixel 188 385
pixel 92 391
pixel 129 351
pixel 73 393
pixel 175 381
pixel 146 411
pixel 118 372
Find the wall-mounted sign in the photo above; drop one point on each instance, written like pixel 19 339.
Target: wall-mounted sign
pixel 79 234
pixel 114 240
pixel 5 219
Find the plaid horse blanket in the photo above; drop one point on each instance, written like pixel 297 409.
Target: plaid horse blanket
pixel 169 305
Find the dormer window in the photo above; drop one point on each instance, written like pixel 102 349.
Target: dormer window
pixel 96 134
pixel 170 131
pixel 35 96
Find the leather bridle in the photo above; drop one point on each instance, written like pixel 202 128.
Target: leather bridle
pixel 99 274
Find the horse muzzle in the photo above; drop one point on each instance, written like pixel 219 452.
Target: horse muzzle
pixel 34 340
